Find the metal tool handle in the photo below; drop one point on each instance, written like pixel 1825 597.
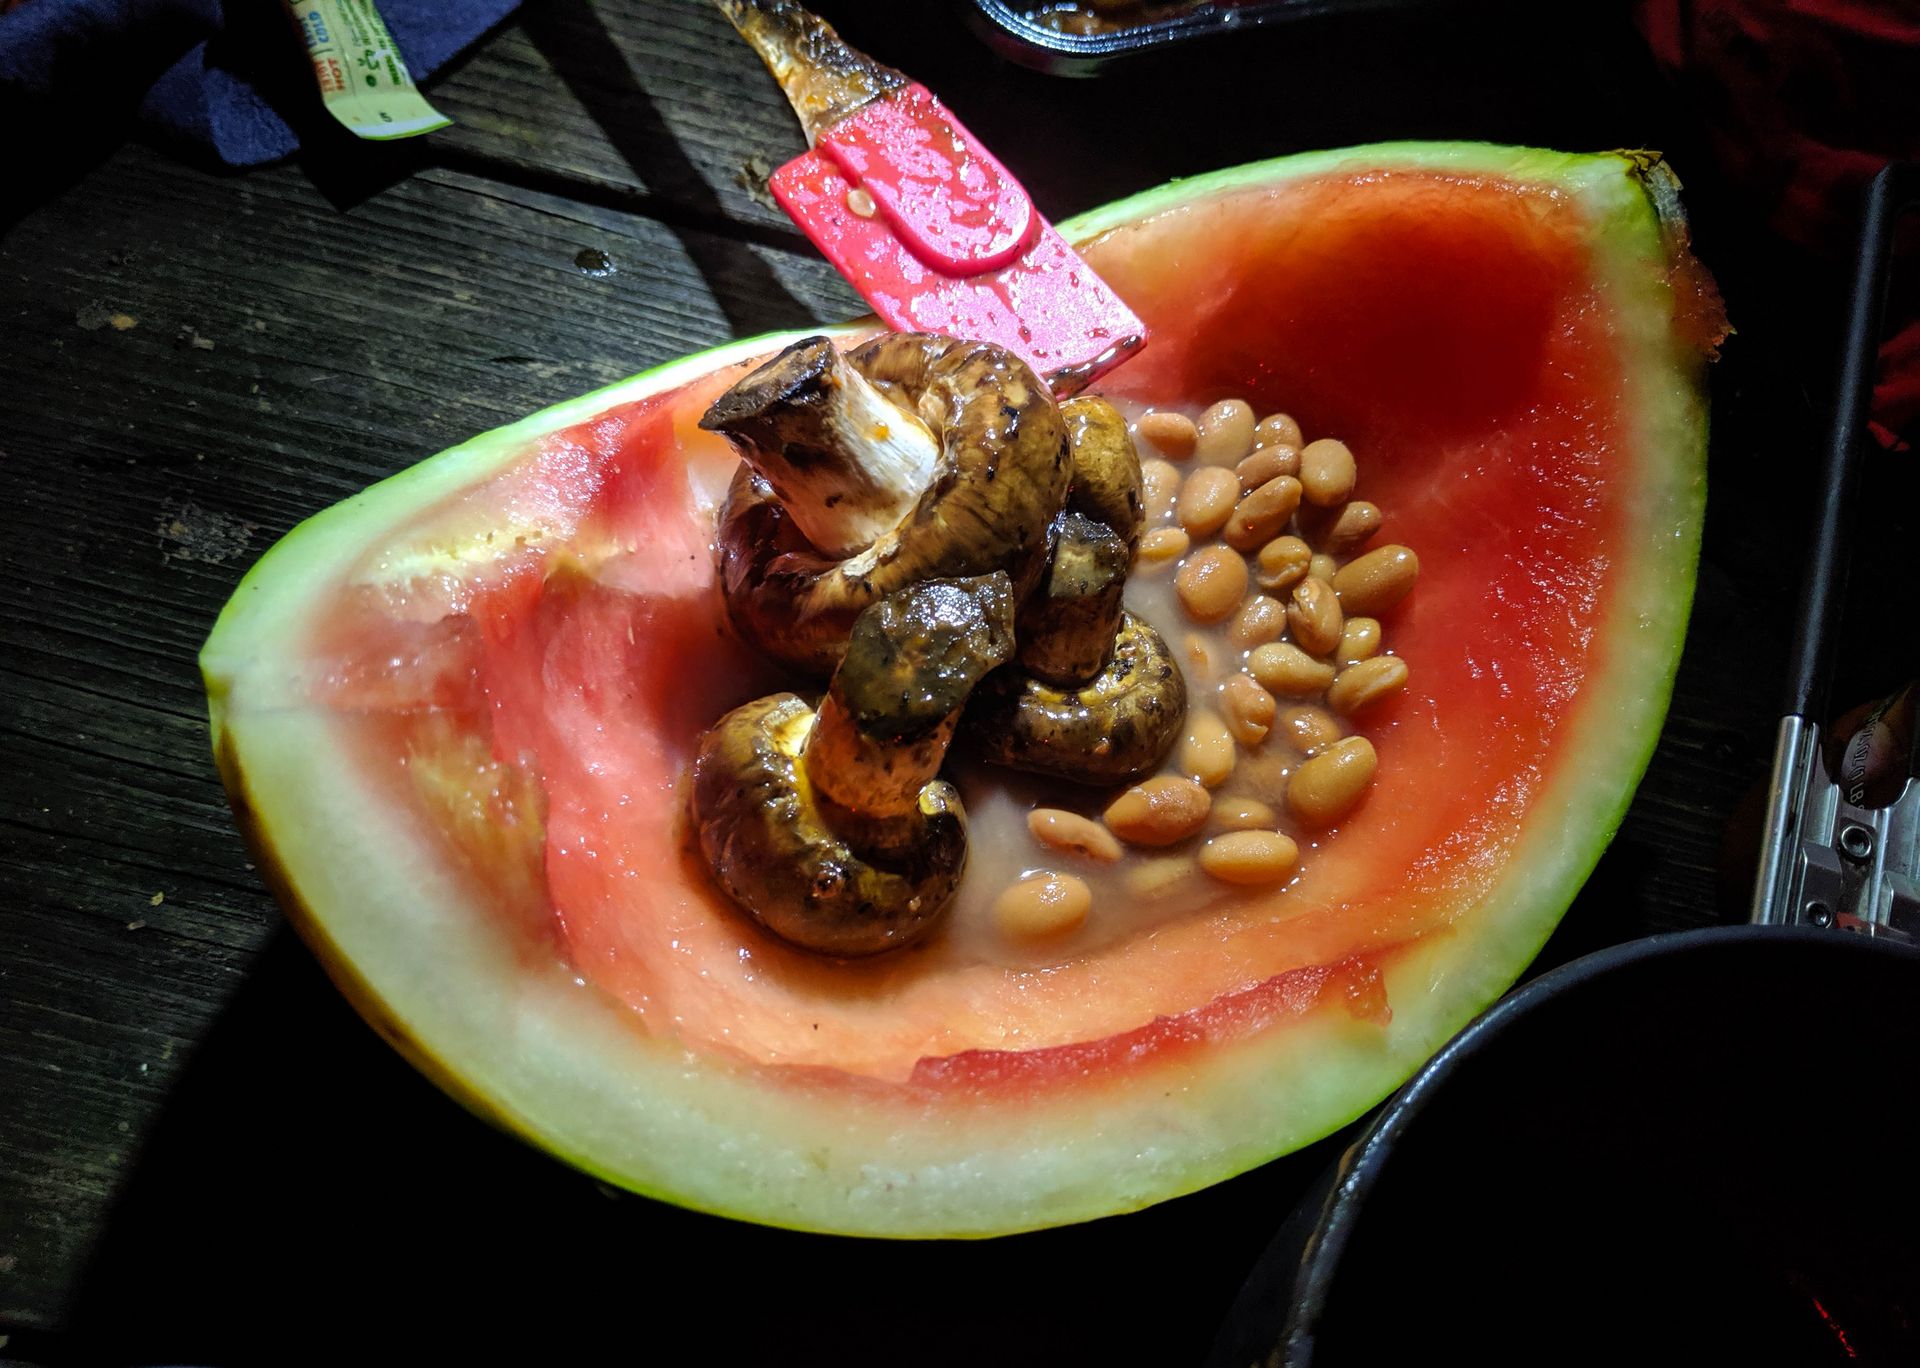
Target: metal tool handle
pixel 1891 192
pixel 823 78
pixel 1823 861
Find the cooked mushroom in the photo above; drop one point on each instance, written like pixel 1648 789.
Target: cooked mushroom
pixel 911 662
pixel 831 829
pixel 832 454
pixel 775 854
pixel 847 463
pixel 1069 625
pixel 1106 483
pixel 1096 698
pixel 1115 727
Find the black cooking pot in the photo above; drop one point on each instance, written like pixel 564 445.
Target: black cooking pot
pixel 1689 1149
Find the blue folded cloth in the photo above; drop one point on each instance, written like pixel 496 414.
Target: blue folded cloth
pixel 229 76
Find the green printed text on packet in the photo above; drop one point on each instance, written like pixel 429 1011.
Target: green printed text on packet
pixel 363 81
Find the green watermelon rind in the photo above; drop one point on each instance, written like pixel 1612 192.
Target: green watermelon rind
pixel 565 1068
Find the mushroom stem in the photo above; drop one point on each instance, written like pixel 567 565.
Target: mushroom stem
pixel 890 712
pixel 1067 627
pixel 847 462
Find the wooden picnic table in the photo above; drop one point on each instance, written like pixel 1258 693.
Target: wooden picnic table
pixel 204 1155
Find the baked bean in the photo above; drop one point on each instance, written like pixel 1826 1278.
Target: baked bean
pixel 1366 682
pixel 1359 639
pixel 1268 555
pixel 1349 529
pixel 1277 429
pixel 1314 617
pixel 1308 729
pixel 1043 905
pixel 1171 434
pixel 1260 620
pixel 1203 659
pixel 1285 669
pixel 1250 857
pixel 1207 500
pixel 1226 434
pixel 1282 563
pixel 1163 546
pixel 1249 708
pixel 1153 879
pixel 1159 488
pixel 1211 582
pixel 1058 829
pixel 1263 514
pixel 1326 472
pixel 1267 463
pixel 1244 814
pixel 1206 753
pixel 1373 583
pixel 1159 811
pixel 1331 784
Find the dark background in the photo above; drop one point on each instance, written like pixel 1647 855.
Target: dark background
pixel 204 1156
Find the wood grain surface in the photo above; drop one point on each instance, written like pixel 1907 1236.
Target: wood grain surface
pixel 203 1156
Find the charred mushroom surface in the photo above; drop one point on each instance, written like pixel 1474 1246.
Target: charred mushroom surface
pixel 911 663
pixel 1096 697
pixel 907 517
pixel 1114 728
pixel 774 853
pixel 847 464
pixel 1106 484
pixel 831 828
pixel 1069 625
pixel 1002 473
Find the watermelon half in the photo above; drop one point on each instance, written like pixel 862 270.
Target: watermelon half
pixel 454 714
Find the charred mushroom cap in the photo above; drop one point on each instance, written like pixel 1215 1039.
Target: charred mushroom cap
pixel 774 853
pixel 1107 485
pixel 1116 727
pixel 912 661
pixel 831 829
pixel 1069 626
pixel 1001 476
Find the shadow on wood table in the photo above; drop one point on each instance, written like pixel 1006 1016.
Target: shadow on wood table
pixel 584 55
pixel 305 1194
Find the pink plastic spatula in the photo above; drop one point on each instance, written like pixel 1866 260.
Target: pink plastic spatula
pixel 927 225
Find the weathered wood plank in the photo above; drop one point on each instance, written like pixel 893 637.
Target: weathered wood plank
pixel 636 98
pixel 275 356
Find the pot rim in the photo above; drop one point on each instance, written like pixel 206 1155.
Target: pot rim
pixel 1359 1168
